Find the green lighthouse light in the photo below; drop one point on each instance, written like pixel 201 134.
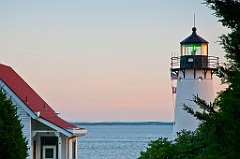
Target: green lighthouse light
pixel 194 48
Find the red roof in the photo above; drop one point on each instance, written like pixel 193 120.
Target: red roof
pixel 30 97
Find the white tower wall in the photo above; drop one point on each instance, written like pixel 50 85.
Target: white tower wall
pixel 201 85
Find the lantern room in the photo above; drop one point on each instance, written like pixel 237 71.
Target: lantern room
pixel 194 51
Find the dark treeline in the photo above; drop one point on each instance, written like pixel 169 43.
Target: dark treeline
pixel 123 123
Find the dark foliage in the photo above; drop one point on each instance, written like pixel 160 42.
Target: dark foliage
pixel 12 143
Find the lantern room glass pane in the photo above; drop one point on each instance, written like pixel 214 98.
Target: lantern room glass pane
pixel 204 49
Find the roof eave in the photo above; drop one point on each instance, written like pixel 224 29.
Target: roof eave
pixel 55 127
pixel 32 114
pixel 77 131
pixel 193 42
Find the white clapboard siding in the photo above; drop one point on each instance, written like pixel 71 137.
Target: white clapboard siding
pixel 26 122
pixel 64 154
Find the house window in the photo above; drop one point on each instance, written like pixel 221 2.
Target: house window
pixel 34 149
pixel 49 147
pixel 74 148
pixel 49 152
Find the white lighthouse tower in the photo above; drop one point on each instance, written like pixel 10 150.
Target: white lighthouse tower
pixel 194 69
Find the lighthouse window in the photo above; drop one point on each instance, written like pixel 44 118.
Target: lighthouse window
pixel 194 49
pixel 204 49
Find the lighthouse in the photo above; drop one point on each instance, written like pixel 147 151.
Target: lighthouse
pixel 194 70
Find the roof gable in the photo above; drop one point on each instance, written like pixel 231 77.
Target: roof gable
pixel 31 99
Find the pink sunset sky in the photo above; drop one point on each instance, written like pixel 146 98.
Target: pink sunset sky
pixel 102 60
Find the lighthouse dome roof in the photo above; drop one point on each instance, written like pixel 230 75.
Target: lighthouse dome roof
pixel 194 38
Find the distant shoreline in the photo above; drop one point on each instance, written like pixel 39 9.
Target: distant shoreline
pixel 123 123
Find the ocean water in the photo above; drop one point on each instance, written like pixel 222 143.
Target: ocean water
pixel 119 141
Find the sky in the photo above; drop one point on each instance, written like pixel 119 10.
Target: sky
pixel 103 60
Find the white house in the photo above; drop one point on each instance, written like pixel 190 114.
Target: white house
pixel 48 135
